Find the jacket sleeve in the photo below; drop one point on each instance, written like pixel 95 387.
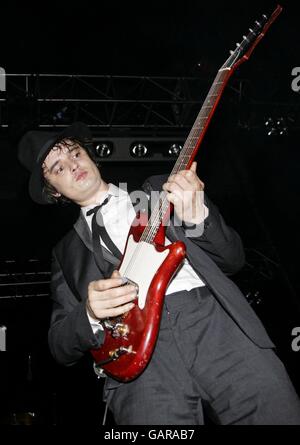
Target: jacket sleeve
pixel 221 242
pixel 70 334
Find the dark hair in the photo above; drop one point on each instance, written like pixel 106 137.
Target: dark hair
pixel 69 143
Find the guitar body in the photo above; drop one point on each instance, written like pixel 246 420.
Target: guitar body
pixel 137 330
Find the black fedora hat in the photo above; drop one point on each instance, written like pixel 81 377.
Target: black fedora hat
pixel 34 147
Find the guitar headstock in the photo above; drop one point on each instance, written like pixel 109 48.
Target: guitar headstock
pixel 244 49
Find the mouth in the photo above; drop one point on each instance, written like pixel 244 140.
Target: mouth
pixel 81 176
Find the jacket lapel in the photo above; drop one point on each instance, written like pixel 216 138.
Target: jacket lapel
pixel 82 229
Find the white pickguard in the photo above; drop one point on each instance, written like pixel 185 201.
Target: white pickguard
pixel 140 263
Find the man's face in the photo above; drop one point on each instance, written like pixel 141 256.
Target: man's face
pixel 70 170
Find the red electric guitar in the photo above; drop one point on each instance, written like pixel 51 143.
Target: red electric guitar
pixel 147 262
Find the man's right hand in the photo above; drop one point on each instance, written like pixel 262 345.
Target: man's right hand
pixel 109 297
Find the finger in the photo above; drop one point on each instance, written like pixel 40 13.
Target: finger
pixel 113 293
pixel 190 177
pixel 172 187
pixel 114 302
pixel 116 274
pixel 173 199
pixel 109 283
pixel 194 167
pixel 181 180
pixel 173 180
pixel 117 292
pixel 115 312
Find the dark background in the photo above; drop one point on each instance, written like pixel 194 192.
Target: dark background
pixel 254 178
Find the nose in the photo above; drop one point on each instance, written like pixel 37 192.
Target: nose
pixel 74 165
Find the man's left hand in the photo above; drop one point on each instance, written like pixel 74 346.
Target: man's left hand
pixel 185 192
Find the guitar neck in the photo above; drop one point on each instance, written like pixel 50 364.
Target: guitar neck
pixel 198 130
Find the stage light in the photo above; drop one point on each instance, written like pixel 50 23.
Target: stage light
pixel 175 150
pixel 139 150
pixel 282 126
pixel 61 117
pixel 271 130
pixel 103 150
pixel 276 127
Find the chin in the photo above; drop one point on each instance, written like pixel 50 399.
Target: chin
pixel 89 185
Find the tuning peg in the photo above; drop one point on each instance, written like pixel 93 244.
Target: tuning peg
pixel 251 30
pixel 231 52
pixel 264 17
pixel 258 24
pixel 238 45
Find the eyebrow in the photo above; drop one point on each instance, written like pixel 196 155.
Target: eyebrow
pixel 52 166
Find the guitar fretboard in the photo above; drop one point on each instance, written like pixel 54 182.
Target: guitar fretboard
pixel 200 124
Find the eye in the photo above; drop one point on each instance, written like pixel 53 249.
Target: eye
pixel 77 154
pixel 59 170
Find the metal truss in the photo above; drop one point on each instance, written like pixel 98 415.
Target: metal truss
pixel 105 102
pixel 24 279
pixel 129 105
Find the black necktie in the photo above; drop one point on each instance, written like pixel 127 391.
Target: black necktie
pixel 99 230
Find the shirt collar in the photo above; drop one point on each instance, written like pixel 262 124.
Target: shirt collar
pixel 113 190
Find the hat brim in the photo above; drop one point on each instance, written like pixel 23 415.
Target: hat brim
pixel 79 131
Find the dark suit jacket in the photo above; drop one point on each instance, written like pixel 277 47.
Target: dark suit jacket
pixel 214 255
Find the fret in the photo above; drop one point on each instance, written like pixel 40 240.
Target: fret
pixel 185 156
